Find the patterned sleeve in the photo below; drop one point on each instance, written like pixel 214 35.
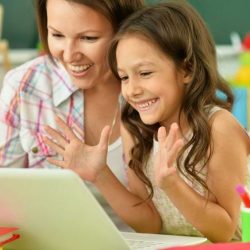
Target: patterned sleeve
pixel 11 151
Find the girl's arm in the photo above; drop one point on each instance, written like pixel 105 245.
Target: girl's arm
pixel 130 205
pixel 90 163
pixel 218 217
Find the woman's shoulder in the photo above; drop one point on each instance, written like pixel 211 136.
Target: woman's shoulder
pixel 40 75
pixel 37 65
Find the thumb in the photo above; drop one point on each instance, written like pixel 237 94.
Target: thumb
pixel 104 139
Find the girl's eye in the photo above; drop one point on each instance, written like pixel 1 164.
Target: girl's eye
pixel 145 74
pixel 123 78
pixel 89 38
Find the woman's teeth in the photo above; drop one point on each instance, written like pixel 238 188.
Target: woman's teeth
pixel 79 68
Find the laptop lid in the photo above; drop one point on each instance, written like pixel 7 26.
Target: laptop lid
pixel 55 210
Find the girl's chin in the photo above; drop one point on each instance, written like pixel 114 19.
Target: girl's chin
pixel 147 120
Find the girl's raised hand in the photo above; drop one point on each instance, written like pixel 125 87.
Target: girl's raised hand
pixel 87 161
pixel 169 147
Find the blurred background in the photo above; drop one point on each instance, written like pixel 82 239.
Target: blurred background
pixel 227 20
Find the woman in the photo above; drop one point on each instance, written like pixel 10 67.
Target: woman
pixel 72 80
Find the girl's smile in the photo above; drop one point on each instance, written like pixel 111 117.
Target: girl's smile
pixel 151 82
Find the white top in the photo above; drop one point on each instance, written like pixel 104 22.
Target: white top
pixel 173 222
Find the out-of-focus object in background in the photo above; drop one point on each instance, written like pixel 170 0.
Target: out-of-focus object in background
pixel 4 45
pixel 242 76
pixel 246 42
pixel 228 60
pixel 228 56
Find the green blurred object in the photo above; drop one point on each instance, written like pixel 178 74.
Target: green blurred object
pixel 245 58
pixel 242 76
pixel 245 218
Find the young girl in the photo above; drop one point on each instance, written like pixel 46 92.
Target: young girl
pixel 179 138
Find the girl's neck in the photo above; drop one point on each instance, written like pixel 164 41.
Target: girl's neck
pixel 182 123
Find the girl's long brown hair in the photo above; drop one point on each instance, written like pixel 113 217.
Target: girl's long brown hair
pixel 179 32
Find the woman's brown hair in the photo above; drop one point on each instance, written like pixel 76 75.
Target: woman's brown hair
pixel 114 10
pixel 179 32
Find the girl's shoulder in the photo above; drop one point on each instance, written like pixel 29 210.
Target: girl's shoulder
pixel 224 125
pixel 221 116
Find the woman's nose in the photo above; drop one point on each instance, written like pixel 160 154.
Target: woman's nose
pixel 71 52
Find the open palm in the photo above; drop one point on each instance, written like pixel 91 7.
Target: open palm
pixel 169 147
pixel 87 161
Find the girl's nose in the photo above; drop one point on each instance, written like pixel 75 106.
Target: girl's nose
pixel 133 88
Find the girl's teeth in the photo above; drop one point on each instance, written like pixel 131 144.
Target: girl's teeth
pixel 146 104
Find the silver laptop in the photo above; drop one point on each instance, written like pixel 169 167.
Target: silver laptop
pixel 55 210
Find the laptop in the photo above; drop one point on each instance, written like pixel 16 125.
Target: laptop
pixel 54 210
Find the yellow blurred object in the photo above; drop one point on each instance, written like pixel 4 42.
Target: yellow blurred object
pixel 242 76
pixel 4 45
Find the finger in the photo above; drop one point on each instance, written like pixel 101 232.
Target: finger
pixel 56 136
pixel 53 145
pixel 104 139
pixel 66 129
pixel 174 152
pixel 55 162
pixel 171 170
pixel 161 135
pixel 78 130
pixel 172 136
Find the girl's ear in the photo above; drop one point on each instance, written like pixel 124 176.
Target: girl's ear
pixel 187 77
pixel 187 73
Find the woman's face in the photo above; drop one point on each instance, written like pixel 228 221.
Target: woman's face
pixel 78 37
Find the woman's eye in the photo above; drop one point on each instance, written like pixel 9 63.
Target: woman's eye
pixel 89 38
pixel 57 35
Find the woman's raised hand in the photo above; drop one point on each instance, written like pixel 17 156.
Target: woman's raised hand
pixel 169 147
pixel 87 161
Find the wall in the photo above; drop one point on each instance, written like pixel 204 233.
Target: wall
pixel 223 16
pixel 19 26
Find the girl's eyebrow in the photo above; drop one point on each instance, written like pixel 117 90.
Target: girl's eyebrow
pixel 140 64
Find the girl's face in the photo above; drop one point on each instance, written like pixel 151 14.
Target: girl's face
pixel 78 37
pixel 151 83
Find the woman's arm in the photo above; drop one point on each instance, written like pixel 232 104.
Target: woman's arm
pixel 90 163
pixel 11 151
